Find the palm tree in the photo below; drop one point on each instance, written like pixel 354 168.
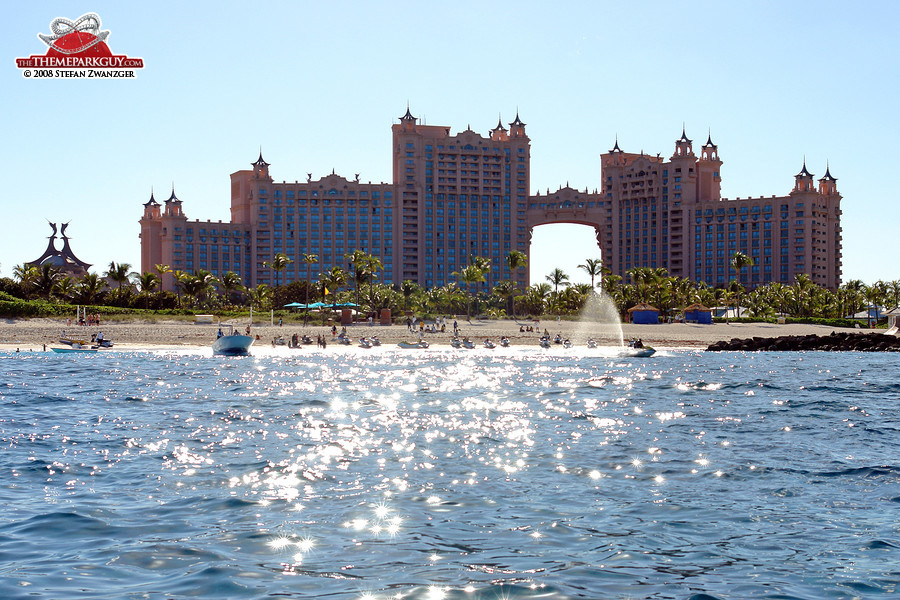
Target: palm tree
pixel 161 270
pixel 119 273
pixel 278 264
pixel 738 262
pixel 558 278
pixel 46 281
pixel 231 282
pixel 89 288
pixel 336 278
pixel 505 290
pixel 536 298
pixel 310 260
pixel 65 287
pixel 26 274
pixel 148 282
pixel 482 264
pixel 593 267
pixel 359 259
pixel 408 289
pixel 260 296
pixel 515 260
pixel 373 265
pixel 180 278
pixel 470 275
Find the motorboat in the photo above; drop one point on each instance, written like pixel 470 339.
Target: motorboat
pixel 412 345
pixel 232 344
pixel 74 348
pixel 643 352
pixel 637 349
pixel 374 340
pixel 456 342
pixel 100 343
pixel 592 343
pixel 467 343
pixel 545 342
pixel 489 344
pixel 504 341
pixel 364 343
pixel 567 343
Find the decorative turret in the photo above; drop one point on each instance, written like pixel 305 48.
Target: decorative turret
pixel 517 128
pixel 173 205
pixel 828 184
pixel 803 181
pixel 260 167
pixel 498 133
pixel 683 146
pixel 151 208
pixel 708 172
pixel 709 151
pixel 407 121
pixel 616 149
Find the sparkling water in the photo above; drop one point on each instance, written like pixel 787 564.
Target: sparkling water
pixel 385 473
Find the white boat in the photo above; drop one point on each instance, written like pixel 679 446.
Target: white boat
pixel 410 345
pixel 232 344
pixel 75 348
pixel 504 341
pixel 637 349
pixel 364 343
pixel 567 343
pixel 489 344
pixel 643 352
pixel 592 343
pixel 374 340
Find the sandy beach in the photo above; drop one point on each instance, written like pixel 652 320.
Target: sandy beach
pixel 34 334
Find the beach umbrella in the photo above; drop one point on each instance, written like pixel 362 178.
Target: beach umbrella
pixel 294 305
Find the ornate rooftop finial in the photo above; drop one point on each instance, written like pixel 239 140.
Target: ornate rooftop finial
pixel 173 197
pixel 408 116
pixel 518 121
pixel 260 162
pixel 616 148
pixel 804 172
pixel 152 201
pixel 499 126
pixel 684 137
pixel 828 176
pixel 709 141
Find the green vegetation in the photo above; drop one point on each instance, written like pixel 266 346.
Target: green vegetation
pixel 46 292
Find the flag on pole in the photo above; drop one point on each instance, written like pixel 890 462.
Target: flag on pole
pixel 326 291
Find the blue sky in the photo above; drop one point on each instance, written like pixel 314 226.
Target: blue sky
pixel 317 85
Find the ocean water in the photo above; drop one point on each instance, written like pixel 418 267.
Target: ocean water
pixel 449 474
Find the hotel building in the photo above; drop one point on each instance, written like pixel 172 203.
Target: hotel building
pixel 455 196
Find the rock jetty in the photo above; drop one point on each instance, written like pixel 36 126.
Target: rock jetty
pixel 836 342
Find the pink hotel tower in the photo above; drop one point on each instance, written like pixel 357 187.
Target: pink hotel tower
pixel 454 196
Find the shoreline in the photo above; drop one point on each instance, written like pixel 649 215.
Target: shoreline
pixel 32 334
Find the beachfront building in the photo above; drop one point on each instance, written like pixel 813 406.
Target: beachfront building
pixel 670 213
pixel 453 197
pixel 60 258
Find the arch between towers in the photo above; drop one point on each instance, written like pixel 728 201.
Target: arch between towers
pixel 571 217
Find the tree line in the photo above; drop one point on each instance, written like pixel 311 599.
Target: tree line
pixel 119 286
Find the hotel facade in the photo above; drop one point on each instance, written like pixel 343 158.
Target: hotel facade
pixel 463 195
